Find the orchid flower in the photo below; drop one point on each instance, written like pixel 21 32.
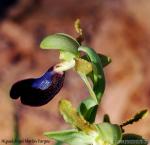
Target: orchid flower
pixel 90 66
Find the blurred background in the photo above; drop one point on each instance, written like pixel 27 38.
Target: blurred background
pixel 118 28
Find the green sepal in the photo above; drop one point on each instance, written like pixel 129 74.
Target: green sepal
pixel 72 137
pixel 109 133
pixel 105 60
pixel 99 78
pixel 62 42
pixel 132 139
pixel 87 108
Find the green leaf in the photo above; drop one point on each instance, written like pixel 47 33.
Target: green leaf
pixel 105 60
pixel 73 117
pixel 62 42
pixel 72 137
pixel 132 139
pixel 136 117
pixel 109 133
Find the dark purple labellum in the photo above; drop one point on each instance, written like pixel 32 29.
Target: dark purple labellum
pixel 39 91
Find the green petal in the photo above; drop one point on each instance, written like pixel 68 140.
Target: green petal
pixel 109 133
pixel 132 139
pixel 61 42
pixel 72 137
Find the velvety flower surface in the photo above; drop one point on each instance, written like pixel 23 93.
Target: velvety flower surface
pixel 38 91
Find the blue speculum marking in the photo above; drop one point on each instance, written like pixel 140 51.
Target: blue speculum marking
pixel 43 82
